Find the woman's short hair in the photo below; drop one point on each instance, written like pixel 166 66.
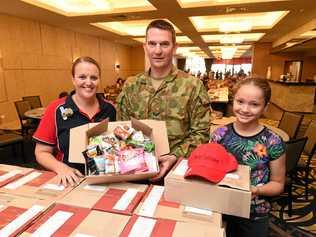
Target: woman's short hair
pixel 84 59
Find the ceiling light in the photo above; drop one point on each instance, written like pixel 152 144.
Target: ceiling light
pixel 131 28
pixel 237 22
pixel 235 26
pixel 232 38
pixel 204 3
pixel 91 7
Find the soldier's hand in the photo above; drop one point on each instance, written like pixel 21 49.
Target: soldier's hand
pixel 165 163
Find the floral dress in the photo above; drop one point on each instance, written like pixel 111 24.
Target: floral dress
pixel 255 151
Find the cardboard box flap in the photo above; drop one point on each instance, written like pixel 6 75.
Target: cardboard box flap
pixel 141 126
pixel 238 179
pixel 98 129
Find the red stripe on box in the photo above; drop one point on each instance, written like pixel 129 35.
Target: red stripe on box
pixel 129 226
pixel 163 202
pixel 9 214
pixel 163 228
pixel 11 179
pixel 79 214
pixel 111 197
pixel 42 179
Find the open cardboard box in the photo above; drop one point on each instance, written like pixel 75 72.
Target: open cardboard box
pixel 79 137
pixel 154 205
pixel 231 196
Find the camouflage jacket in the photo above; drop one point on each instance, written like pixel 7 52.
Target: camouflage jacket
pixel 181 101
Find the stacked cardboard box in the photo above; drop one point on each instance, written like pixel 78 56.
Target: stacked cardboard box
pixel 120 198
pixel 157 227
pixel 230 196
pixel 17 213
pixel 154 205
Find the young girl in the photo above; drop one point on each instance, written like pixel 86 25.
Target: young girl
pixel 258 147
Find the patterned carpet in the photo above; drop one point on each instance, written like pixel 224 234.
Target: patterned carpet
pixel 303 219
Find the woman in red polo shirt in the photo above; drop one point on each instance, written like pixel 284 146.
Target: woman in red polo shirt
pixel 80 107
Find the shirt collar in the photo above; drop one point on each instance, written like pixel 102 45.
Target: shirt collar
pixel 170 77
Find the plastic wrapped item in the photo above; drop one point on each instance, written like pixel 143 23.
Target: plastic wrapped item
pixel 132 160
pixel 123 132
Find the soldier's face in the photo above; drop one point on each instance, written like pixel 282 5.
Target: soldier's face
pixel 159 48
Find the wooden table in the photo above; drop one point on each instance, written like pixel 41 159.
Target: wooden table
pixel 35 113
pixel 227 120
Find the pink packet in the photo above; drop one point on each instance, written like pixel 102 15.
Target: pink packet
pixel 132 160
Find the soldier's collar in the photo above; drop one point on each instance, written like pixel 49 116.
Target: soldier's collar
pixel 172 75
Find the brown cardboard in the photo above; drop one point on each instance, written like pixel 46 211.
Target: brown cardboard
pixel 86 195
pixel 230 196
pixel 18 205
pixel 111 225
pixel 5 176
pixel 94 223
pixel 156 130
pixel 178 212
pixel 37 187
pixel 171 228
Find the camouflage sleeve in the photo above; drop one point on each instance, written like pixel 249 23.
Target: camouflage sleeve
pixel 199 120
pixel 123 105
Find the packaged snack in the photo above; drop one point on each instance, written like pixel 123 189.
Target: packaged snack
pixel 93 151
pixel 109 163
pixel 132 160
pixel 123 132
pixel 100 164
pixel 138 136
pixel 91 168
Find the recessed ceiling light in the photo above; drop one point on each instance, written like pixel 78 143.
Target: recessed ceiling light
pixel 131 28
pixel 179 39
pixel 92 7
pixel 237 22
pixel 232 38
pixel 204 3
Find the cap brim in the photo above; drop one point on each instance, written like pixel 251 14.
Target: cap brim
pixel 212 175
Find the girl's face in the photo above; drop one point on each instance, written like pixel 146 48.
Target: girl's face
pixel 86 80
pixel 249 104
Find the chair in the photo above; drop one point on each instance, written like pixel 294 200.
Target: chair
pixel 35 101
pixel 293 149
pixel 26 123
pixel 290 123
pixel 308 154
pixel 12 139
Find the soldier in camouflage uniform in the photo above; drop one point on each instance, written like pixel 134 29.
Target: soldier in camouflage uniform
pixel 166 93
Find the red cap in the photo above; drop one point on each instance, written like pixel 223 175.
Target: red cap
pixel 210 161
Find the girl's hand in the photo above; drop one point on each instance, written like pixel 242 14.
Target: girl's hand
pixel 255 191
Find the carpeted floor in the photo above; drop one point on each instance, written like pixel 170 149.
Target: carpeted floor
pixel 303 219
pixel 301 224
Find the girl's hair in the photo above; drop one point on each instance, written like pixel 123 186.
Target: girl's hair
pixel 84 59
pixel 261 83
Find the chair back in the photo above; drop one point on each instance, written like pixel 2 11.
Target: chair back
pixel 21 107
pixel 294 149
pixel 290 123
pixel 310 133
pixel 35 101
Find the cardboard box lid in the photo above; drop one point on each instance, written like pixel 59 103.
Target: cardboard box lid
pixel 78 142
pixel 88 226
pixel 240 179
pixel 138 225
pixel 86 195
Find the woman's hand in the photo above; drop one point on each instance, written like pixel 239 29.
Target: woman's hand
pixel 255 191
pixel 67 175
pixel 165 163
